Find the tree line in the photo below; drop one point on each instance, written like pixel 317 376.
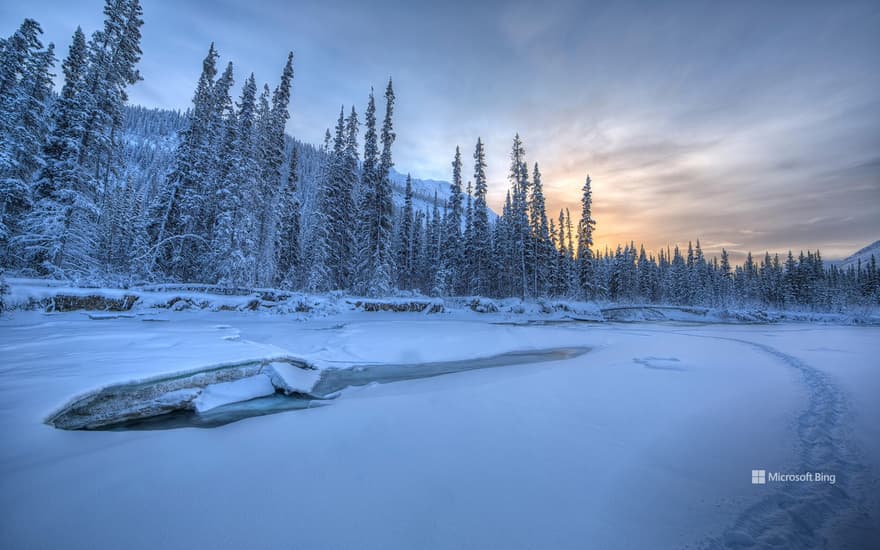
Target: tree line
pixel 230 200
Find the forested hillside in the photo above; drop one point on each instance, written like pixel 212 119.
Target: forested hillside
pixel 102 193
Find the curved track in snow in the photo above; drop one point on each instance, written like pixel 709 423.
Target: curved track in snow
pixel 809 514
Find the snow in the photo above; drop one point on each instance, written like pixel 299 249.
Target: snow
pixel 154 301
pixel 292 379
pixel 646 440
pixel 224 393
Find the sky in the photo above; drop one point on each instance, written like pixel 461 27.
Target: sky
pixel 749 125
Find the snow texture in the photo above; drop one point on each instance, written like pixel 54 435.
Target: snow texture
pixel 224 393
pixel 548 454
pixel 292 379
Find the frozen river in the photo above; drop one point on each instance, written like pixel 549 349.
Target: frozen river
pixel 579 435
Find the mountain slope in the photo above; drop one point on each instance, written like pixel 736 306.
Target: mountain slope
pixel 150 138
pixel 864 255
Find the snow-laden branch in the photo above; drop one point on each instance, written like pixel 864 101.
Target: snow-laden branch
pixel 152 250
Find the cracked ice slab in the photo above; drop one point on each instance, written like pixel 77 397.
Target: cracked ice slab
pixel 224 393
pixel 292 379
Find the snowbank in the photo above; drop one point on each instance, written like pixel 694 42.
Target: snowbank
pixel 657 426
pixel 56 296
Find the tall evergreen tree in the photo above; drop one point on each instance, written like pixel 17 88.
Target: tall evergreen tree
pixel 586 225
pixel 405 252
pixel 453 257
pixel 59 232
pixel 542 247
pixel 180 210
pixel 272 159
pixel 25 91
pixel 376 261
pixel 235 243
pixel 319 276
pixel 114 52
pixel 482 238
pixel 519 258
pixel 367 207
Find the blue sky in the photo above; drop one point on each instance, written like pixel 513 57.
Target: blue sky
pixel 752 125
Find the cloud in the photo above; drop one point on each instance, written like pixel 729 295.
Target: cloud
pixel 747 124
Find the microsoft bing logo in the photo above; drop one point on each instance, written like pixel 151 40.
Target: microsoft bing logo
pixel 759 477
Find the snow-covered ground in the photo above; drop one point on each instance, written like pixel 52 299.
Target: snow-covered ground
pixel 637 435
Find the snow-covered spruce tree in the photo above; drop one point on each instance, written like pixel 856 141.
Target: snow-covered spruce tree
pixel 468 240
pixel 553 274
pixel 561 286
pixel 265 192
pixel 113 54
pixel 26 79
pixel 679 281
pixel 418 246
pixel 220 137
pixel 725 281
pixel 519 259
pixel 502 264
pixel 569 233
pixel 481 236
pixel 61 232
pixel 344 201
pixel 271 161
pixel 435 275
pixel 14 54
pixel 543 256
pixel 644 275
pixel 182 216
pixel 287 246
pixel 375 259
pixel 453 256
pixel 382 264
pixel 586 225
pixel 339 207
pixel 62 220
pixel 235 243
pixel 317 250
pixel 361 260
pixel 404 240
pixel 570 282
pixel 699 277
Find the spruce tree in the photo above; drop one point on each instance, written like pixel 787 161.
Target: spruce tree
pixel 467 259
pixel 482 238
pixel 404 240
pixel 586 226
pixel 319 277
pixel 365 243
pixel 518 259
pixel 235 238
pixel 272 159
pixel 180 207
pixel 375 261
pixel 383 261
pixel 63 219
pixel 542 247
pixel 452 246
pixel 26 80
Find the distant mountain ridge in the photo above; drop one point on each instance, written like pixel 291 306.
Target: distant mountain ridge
pixel 864 255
